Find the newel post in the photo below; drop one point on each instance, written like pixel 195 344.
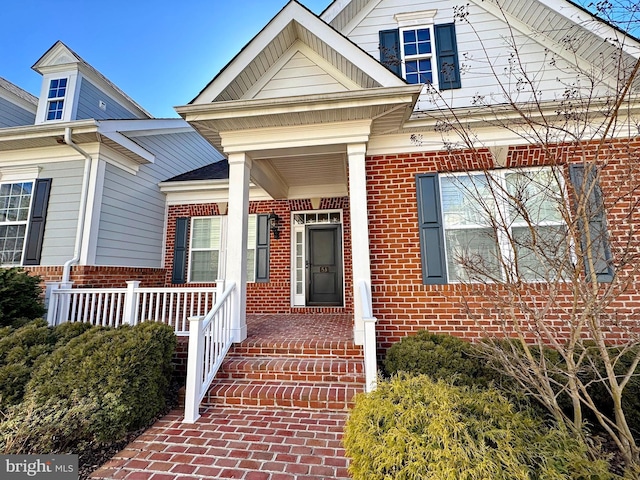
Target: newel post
pixel 194 370
pixel 130 303
pixel 51 303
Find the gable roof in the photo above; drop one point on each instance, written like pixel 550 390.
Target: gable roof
pixel 295 26
pixel 60 55
pixel 19 93
pixel 551 19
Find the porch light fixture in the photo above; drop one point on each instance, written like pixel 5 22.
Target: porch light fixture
pixel 274 224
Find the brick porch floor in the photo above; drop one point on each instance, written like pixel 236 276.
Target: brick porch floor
pixel 306 363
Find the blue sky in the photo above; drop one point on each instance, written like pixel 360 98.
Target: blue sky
pixel 160 52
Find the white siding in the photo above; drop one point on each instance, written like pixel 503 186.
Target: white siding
pixel 131 228
pixel 62 211
pixel 300 76
pixel 483 52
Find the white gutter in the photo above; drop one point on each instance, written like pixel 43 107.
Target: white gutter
pixel 66 270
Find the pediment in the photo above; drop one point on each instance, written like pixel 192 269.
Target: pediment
pixel 58 54
pixel 336 62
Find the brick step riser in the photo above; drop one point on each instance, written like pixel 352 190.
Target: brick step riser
pixel 355 379
pixel 282 395
pixel 296 352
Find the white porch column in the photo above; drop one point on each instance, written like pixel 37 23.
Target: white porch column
pixel 236 256
pixel 359 231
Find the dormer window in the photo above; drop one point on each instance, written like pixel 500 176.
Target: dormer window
pixel 55 103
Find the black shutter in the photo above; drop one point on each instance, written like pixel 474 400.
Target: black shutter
pixel 179 272
pixel 262 248
pixel 431 230
pixel 35 232
pixel 390 50
pixel 447 56
pixel 586 182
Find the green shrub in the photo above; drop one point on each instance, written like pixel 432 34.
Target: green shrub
pixel 21 349
pixel 19 296
pixel 440 357
pixel 126 372
pixel 58 425
pixel 415 428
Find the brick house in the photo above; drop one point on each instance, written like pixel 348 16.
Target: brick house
pixel 329 131
pixel 346 141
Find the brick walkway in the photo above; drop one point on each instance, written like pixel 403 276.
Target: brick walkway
pixel 244 443
pixel 306 363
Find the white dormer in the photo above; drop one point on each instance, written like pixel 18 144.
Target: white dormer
pixel 65 75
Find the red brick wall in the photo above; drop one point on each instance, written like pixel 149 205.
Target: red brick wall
pixel 103 277
pixel 273 296
pixel 404 305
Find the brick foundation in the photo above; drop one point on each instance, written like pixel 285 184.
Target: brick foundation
pixel 102 277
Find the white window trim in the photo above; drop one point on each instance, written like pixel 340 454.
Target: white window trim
pixel 504 246
pixel 424 19
pixel 299 300
pixel 223 247
pixel 10 179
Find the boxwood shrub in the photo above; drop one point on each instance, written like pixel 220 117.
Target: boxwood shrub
pixel 96 388
pixel 412 427
pixel 439 356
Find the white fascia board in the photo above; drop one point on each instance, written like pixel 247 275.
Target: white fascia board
pixel 591 23
pixel 299 136
pixel 47 129
pixel 359 17
pixel 144 127
pixel 334 10
pixel 115 158
pixel 205 191
pixel 319 191
pixel 295 12
pixel 130 145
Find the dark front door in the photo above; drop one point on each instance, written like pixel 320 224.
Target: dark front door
pixel 324 265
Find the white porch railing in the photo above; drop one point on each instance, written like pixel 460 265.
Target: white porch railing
pixel 209 343
pixel 113 307
pixel 370 348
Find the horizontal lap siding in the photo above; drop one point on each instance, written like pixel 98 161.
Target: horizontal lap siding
pixel 132 218
pixel 481 42
pixel 300 76
pixel 403 305
pixel 62 211
pixel 12 115
pixel 89 100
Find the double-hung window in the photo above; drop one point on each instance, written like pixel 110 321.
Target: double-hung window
pixel 15 204
pixel 417 53
pixel 504 224
pixel 421 50
pixel 208 240
pixel 55 98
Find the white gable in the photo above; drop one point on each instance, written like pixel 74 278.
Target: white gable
pixel 301 72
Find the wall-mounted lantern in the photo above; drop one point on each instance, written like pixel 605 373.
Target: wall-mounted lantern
pixel 274 224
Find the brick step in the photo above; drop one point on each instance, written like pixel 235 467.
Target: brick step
pixel 302 395
pixel 307 348
pixel 288 369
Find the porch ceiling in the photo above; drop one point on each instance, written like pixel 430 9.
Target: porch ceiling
pixel 299 144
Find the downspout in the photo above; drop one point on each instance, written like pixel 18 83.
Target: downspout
pixel 66 270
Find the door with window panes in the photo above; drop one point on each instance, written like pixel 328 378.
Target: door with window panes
pixel 318 260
